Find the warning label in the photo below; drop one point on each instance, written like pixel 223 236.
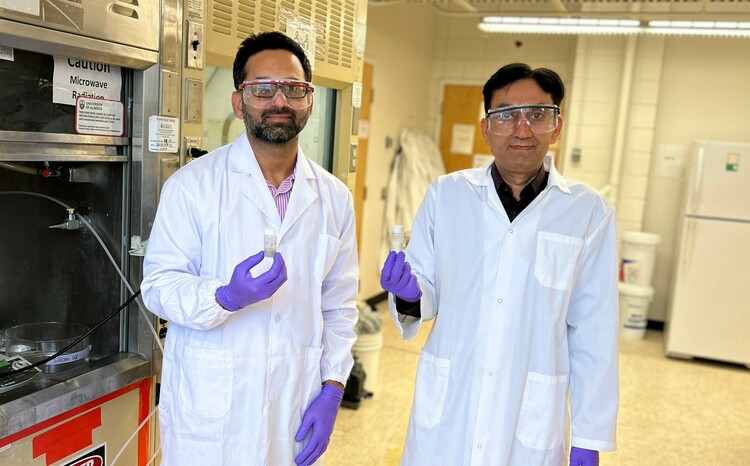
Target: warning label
pixel 99 117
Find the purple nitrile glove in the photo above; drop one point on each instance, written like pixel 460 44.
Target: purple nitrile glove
pixel 396 278
pixel 244 289
pixel 583 457
pixel 320 417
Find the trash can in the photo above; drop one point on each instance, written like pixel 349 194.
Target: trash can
pixel 634 303
pixel 367 348
pixel 638 257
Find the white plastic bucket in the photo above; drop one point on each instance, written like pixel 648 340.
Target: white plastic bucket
pixel 634 302
pixel 638 257
pixel 367 349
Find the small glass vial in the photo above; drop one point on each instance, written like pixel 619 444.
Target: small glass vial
pixel 269 242
pixel 397 238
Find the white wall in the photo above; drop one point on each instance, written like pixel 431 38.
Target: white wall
pixel 610 119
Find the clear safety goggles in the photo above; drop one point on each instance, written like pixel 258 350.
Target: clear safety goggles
pixel 541 119
pixel 261 92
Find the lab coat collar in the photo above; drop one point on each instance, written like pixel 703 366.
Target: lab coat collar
pixel 242 160
pixel 303 192
pixel 555 178
pixel 483 176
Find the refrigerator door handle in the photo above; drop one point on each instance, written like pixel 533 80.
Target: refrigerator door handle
pixel 687 252
pixel 697 180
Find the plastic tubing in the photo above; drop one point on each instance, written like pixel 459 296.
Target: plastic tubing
pixel 130 439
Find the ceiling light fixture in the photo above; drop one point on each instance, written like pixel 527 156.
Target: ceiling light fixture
pixel 700 28
pixel 530 25
pixel 591 26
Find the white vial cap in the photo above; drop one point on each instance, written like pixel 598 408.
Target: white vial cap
pixel 269 231
pixel 397 229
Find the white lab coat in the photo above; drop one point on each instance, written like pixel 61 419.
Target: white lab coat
pixel 235 385
pixel 523 311
pixel 416 164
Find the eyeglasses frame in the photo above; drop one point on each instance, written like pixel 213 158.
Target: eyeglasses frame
pixel 506 108
pixel 278 82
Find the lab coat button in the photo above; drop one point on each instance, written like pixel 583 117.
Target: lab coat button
pixel 510 231
pixel 479 445
pixel 277 318
pixel 500 301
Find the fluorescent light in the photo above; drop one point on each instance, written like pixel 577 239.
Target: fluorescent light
pixel 549 25
pixel 583 26
pixel 699 32
pixel 700 28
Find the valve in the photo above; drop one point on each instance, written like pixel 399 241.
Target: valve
pixel 71 223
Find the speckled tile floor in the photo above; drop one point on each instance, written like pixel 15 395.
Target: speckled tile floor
pixel 672 412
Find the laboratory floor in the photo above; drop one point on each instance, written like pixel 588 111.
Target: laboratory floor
pixel 672 412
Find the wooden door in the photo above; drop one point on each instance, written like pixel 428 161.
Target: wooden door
pixel 463 106
pixel 362 142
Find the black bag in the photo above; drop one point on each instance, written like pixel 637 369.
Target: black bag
pixel 354 391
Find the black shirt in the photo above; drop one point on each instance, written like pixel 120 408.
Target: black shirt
pixel 512 206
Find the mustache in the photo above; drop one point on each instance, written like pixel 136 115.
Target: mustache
pixel 279 111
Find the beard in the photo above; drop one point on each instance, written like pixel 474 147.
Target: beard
pixel 274 133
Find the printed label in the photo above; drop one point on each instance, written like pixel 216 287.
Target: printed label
pixel 100 117
pixel 630 271
pixel 163 134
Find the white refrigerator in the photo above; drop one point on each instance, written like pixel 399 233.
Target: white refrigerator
pixel 709 308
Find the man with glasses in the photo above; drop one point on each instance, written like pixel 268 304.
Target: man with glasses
pixel 258 348
pixel 517 265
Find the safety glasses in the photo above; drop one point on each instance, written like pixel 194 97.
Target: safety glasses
pixel 541 119
pixel 261 92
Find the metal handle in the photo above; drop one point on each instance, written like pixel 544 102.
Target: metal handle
pixel 687 249
pixel 697 176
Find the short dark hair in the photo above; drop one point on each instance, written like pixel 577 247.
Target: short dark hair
pixel 547 79
pixel 267 41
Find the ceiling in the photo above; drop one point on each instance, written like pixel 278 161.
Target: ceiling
pixel 729 10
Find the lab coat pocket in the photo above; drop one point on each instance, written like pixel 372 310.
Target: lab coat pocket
pixel 556 257
pixel 540 422
pixel 325 254
pixel 206 381
pixel 431 389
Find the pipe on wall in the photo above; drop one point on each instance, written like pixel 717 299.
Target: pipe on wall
pixel 612 190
